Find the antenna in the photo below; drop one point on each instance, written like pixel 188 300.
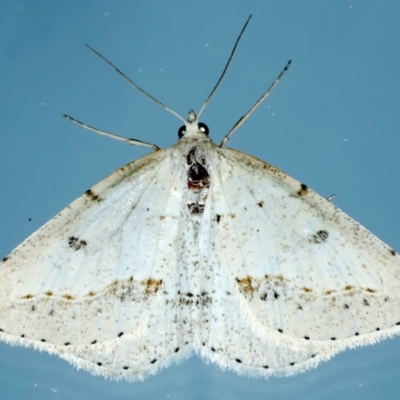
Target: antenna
pixel 246 116
pixel 225 69
pixel 133 142
pixel 134 84
pixel 238 124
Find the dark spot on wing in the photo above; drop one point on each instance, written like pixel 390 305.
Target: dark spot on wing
pixel 260 203
pixel 276 295
pixel 218 218
pixel 177 349
pixel 5 259
pixel 94 342
pixel 153 361
pixel 264 296
pixel 303 190
pixel 120 334
pixel 307 337
pixel 125 367
pixel 93 196
pixel 365 302
pixel 99 364
pixel 238 360
pixel 75 243
pixel 67 343
pixel 245 285
pixel 280 330
pixel 392 252
pixel 320 237
pixel 152 285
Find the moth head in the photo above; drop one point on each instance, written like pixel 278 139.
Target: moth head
pixel 192 127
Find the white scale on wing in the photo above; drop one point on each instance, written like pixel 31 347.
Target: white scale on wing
pixel 203 249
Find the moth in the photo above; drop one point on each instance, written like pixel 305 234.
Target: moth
pixel 199 249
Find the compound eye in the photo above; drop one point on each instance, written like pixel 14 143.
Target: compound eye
pixel 181 131
pixel 204 128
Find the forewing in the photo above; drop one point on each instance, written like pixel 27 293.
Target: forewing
pixel 167 330
pixel 98 271
pixel 224 333
pixel 302 269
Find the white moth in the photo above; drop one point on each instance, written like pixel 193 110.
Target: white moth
pixel 202 249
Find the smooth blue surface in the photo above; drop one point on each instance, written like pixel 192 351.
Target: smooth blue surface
pixel 333 123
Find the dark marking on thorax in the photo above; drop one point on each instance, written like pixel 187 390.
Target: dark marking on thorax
pixel 196 208
pixel 198 177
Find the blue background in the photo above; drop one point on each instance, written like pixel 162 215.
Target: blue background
pixel 333 123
